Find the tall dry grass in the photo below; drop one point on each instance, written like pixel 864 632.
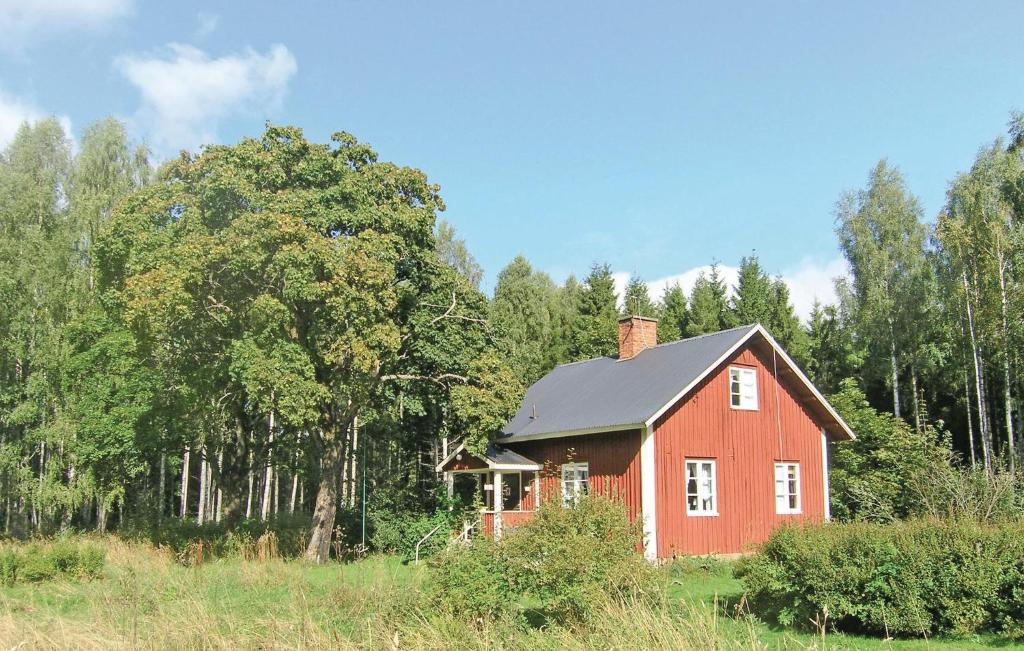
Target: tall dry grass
pixel 149 600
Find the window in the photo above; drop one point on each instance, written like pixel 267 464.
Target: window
pixel 743 388
pixel 787 488
pixel 575 482
pixel 701 492
pixel 511 489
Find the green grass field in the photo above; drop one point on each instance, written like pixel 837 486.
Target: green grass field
pixel 145 599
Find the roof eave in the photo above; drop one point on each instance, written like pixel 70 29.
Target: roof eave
pixel 520 438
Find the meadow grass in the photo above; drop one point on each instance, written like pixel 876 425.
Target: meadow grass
pixel 146 599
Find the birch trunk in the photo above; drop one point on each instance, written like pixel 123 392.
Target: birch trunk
pixel 979 382
pixel 916 402
pixel 354 474
pixel 203 488
pixel 183 513
pixel 1007 386
pixel 248 499
pixel 970 419
pixel 295 492
pixel 220 491
pixel 161 488
pixel 268 478
pixel 895 372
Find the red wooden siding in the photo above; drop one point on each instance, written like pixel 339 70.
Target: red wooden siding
pixel 467 462
pixel 745 446
pixel 613 459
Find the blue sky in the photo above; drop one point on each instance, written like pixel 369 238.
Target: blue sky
pixel 655 136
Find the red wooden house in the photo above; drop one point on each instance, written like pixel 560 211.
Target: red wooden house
pixel 713 441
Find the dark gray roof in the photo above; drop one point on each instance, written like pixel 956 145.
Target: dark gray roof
pixel 606 392
pixel 502 456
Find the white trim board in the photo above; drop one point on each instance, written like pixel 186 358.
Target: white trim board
pixel 649 493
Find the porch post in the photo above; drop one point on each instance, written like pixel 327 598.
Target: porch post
pixel 498 498
pixel 536 490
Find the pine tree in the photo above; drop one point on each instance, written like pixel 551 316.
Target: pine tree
pixel 673 315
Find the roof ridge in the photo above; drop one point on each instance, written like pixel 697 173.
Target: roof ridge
pixel 706 334
pixel 667 343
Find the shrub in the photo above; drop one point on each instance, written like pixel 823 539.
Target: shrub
pixel 576 559
pixel 471 582
pixel 908 578
pixel 8 566
pixel 249 539
pixel 46 561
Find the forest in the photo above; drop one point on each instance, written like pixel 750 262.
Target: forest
pixel 281 327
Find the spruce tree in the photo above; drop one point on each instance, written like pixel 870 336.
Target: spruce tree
pixel 708 309
pixel 754 297
pixel 595 331
pixel 637 300
pixel 673 315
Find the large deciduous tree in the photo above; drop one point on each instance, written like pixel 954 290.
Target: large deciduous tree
pixel 297 281
pixel 881 234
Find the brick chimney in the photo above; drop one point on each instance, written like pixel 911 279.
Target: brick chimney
pixel 635 334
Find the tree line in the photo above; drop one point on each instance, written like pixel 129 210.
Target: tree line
pixel 281 326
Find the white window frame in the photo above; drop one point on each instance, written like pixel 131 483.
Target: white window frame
pixel 701 512
pixel 740 376
pixel 579 485
pixel 783 494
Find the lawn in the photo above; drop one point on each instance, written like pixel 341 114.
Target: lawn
pixel 145 599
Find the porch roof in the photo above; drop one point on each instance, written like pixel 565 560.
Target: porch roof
pixel 495 457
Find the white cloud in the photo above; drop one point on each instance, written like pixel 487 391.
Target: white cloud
pixel 15 112
pixel 808 281
pixel 22 19
pixel 186 93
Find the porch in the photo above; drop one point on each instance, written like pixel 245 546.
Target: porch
pixel 504 484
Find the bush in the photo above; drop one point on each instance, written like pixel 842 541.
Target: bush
pixel 471 582
pixel 574 561
pixel 282 535
pixel 921 577
pixel 38 562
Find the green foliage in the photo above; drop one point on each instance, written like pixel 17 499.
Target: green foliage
pixel 193 543
pixel 452 251
pixel 45 561
pixel 872 476
pixel 832 354
pixel 917 578
pixel 526 315
pixel 881 233
pixel 708 305
pixel 673 314
pixel 636 300
pixel 595 329
pixel 471 582
pixel 574 559
pixel 757 298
